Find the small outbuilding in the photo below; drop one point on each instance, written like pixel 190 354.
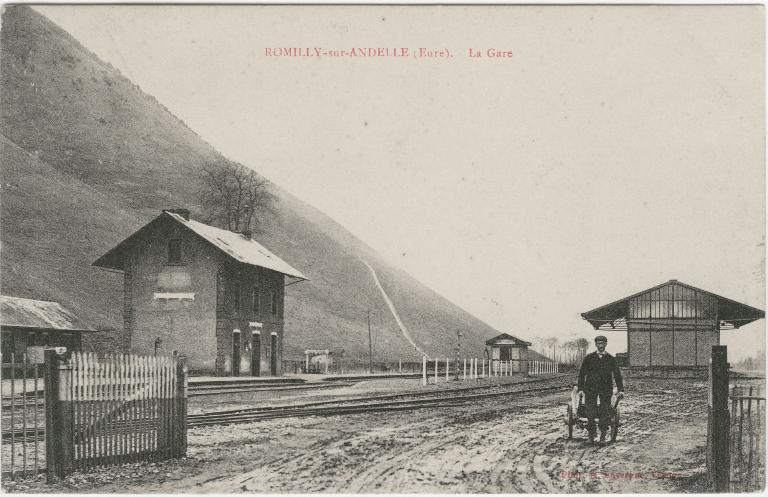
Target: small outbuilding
pixel 27 326
pixel 507 348
pixel 672 324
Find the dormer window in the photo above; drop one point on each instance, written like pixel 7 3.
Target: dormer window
pixel 174 251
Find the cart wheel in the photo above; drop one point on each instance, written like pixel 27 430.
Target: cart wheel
pixel 570 422
pixel 616 420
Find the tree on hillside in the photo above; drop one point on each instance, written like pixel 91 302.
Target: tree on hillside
pixel 235 197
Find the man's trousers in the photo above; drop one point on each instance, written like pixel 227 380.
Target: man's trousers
pixel 595 410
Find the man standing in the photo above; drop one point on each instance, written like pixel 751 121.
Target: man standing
pixel 596 376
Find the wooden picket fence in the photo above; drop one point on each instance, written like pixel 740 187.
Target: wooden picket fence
pixel 115 409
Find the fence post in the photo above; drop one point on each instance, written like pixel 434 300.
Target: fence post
pixel 59 439
pixel 180 423
pixel 718 456
pixel 423 370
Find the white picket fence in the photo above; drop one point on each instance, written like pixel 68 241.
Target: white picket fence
pixel 475 369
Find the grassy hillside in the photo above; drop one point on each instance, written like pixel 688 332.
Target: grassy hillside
pixel 87 158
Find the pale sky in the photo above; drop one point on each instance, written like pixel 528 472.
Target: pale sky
pixel 618 148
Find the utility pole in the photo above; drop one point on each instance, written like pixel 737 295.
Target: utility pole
pixel 458 352
pixel 370 345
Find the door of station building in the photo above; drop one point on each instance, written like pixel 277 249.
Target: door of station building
pixel 273 355
pixel 256 355
pixel 235 352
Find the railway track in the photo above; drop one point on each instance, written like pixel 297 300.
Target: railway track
pixel 236 389
pixel 381 403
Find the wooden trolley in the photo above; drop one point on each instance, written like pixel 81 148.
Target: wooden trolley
pixel 576 415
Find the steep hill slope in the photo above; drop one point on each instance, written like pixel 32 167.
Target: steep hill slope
pixel 87 158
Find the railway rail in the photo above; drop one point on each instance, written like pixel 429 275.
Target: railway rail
pixel 380 403
pixel 233 389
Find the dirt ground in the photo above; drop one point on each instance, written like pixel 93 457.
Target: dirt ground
pixel 506 444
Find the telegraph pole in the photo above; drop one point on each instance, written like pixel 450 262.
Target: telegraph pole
pixel 458 352
pixel 370 345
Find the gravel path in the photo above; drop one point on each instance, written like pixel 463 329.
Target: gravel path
pixel 499 445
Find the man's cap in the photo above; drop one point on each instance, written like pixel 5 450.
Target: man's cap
pixel 601 338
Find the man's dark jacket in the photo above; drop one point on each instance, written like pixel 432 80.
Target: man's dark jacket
pixel 595 374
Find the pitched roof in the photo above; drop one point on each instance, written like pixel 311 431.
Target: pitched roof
pixel 507 336
pixel 728 311
pixel 16 312
pixel 235 245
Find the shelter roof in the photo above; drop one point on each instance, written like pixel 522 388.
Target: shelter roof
pixel 17 312
pixel 235 245
pixel 507 336
pixel 729 312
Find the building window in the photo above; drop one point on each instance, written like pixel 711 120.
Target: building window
pixel 174 251
pixel 236 296
pixel 255 304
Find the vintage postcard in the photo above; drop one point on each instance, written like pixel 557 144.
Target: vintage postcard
pixel 444 249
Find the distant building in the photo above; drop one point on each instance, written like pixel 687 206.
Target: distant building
pixel 212 295
pixel 672 324
pixel 26 326
pixel 506 348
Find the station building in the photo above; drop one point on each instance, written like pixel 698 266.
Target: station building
pixel 672 325
pixel 212 295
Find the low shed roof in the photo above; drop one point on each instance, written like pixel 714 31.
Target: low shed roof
pixel 16 312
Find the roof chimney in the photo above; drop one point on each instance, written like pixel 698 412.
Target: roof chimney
pixel 247 234
pixel 181 212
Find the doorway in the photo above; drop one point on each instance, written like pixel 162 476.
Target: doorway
pixel 273 354
pixel 256 354
pixel 235 352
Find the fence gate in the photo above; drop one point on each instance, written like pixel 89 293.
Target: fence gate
pixel 23 416
pixel 747 466
pixel 114 409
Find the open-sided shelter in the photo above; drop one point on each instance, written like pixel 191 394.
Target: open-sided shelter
pixel 672 324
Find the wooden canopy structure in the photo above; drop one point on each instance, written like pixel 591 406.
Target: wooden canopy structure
pixel 672 324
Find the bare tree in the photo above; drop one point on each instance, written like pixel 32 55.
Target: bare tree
pixel 583 345
pixel 550 344
pixel 569 349
pixel 234 197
